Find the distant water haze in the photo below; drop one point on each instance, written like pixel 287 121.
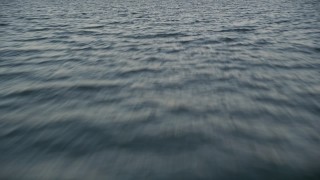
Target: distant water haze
pixel 160 89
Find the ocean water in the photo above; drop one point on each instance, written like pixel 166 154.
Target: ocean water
pixel 160 89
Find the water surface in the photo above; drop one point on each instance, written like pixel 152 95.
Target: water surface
pixel 160 89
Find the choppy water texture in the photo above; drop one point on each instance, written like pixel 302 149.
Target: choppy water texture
pixel 160 89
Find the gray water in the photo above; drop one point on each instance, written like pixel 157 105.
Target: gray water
pixel 159 89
